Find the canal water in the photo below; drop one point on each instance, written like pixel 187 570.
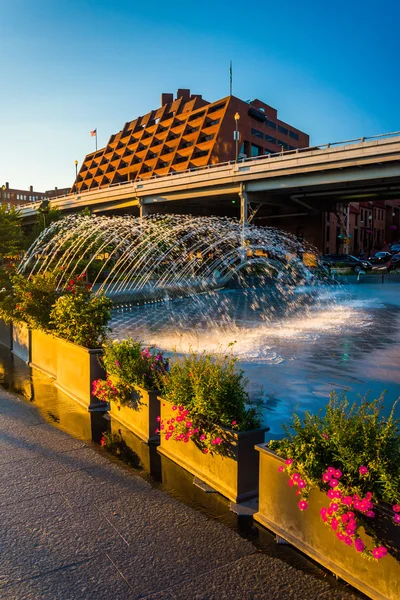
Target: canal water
pixel 294 353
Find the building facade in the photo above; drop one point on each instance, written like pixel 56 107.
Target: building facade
pixel 15 196
pixel 186 133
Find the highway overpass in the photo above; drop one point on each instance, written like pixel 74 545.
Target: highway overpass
pixel 297 182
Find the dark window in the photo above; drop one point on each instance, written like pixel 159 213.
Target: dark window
pixel 255 150
pixel 214 109
pixel 268 151
pixel 293 135
pixel 283 144
pixel 291 147
pixel 328 230
pixel 282 129
pixel 194 116
pixel 257 133
pixel 270 124
pixel 271 139
pixel 210 123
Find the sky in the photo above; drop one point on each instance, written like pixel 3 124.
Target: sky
pixel 70 66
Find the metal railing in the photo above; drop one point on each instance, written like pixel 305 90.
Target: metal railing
pixel 247 160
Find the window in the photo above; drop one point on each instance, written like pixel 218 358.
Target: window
pixel 257 133
pixel 268 151
pixel 293 135
pixel 270 124
pixel 210 123
pixel 328 231
pixel 255 150
pixel 271 139
pixel 282 129
pixel 283 144
pixel 291 147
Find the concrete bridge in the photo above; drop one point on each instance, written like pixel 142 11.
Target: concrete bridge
pixel 292 183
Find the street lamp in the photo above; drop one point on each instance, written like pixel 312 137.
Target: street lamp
pixel 76 175
pixel 236 135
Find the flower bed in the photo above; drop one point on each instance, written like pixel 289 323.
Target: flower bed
pixel 44 352
pixel 129 387
pixel 233 472
pixel 77 368
pixel 343 469
pixel 206 425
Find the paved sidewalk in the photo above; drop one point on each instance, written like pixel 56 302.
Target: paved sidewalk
pixel 75 526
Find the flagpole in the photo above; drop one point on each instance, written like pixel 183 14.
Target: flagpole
pixel 230 79
pixel 96 139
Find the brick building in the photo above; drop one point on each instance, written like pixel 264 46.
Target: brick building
pixel 16 196
pixel 185 133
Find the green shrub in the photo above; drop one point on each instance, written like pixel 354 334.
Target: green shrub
pixel 352 453
pixel 208 393
pixel 81 317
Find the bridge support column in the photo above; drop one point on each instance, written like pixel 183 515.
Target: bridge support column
pixel 143 209
pixel 243 206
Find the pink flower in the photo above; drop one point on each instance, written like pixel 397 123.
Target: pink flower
pixel 171 427
pixel 340 536
pixel 323 515
pixel 331 494
pixel 338 473
pixel 181 408
pixel 117 364
pixel 205 450
pixel 157 430
pixel 280 469
pixel 347 500
pixel 337 494
pixel 296 477
pixel 189 424
pixel 334 523
pixel 326 477
pixel 158 419
pixel 334 506
pixel 302 505
pixel 348 540
pixel 301 484
pixel 291 482
pixel 331 471
pixel 359 544
pixel 326 437
pixel 234 422
pixel 396 508
pixel 344 518
pixel 363 470
pixel 333 483
pixel 174 408
pixel 368 495
pixel 202 437
pixel 396 519
pixel 379 552
pixel 288 461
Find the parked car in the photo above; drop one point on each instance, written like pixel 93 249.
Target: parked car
pixel 394 262
pixel 395 248
pixel 346 261
pixel 380 258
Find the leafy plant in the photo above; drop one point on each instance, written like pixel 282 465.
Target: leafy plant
pixel 81 317
pixel 352 452
pixel 34 298
pixel 208 394
pixel 10 231
pixel 129 364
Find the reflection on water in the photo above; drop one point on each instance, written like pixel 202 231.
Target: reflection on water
pixel 347 339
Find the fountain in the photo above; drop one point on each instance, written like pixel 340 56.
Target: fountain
pixel 161 257
pixel 204 283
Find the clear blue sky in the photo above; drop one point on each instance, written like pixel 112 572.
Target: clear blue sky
pixel 69 66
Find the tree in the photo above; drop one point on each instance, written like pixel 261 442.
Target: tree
pixel 10 231
pixel 46 215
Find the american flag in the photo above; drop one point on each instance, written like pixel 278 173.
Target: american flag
pixel 93 133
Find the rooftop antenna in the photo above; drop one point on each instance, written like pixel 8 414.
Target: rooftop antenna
pixel 230 79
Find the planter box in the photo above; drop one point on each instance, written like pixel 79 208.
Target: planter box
pixel 278 511
pixel 21 341
pixel 140 415
pixel 77 368
pixel 6 334
pixel 234 476
pixel 44 352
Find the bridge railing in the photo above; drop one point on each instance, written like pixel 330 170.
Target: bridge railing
pixel 250 159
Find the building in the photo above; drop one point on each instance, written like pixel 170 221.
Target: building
pixel 371 226
pixel 16 197
pixel 185 133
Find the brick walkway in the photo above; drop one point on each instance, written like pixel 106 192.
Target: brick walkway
pixel 76 526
